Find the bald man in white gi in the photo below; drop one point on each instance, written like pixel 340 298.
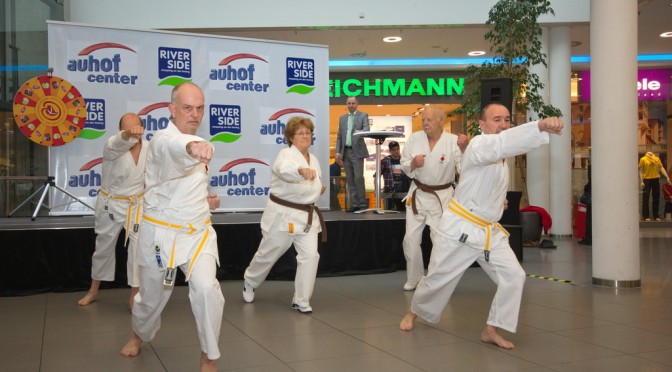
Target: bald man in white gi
pixel 119 205
pixel 176 230
pixel 469 231
pixel 431 158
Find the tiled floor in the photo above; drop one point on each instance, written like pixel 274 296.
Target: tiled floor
pixel 354 327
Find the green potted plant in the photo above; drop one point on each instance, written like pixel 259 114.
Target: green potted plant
pixel 514 38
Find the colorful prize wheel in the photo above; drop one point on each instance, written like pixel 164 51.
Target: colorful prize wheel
pixel 49 110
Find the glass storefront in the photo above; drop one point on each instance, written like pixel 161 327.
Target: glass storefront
pixel 23 55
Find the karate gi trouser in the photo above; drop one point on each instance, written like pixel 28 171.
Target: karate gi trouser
pixel 273 245
pixel 448 262
pixel 415 225
pixel 104 259
pixel 205 295
pixel 354 177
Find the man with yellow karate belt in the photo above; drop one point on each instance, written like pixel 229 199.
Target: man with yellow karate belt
pixel 468 231
pixel 176 230
pixel 119 204
pixel 431 158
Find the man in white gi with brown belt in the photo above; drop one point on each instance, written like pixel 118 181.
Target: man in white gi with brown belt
pixel 119 204
pixel 176 230
pixel 431 158
pixel 468 231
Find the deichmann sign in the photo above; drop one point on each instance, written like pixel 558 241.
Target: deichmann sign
pixel 396 87
pixel 652 85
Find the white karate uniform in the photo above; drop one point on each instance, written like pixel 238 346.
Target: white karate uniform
pixel 458 242
pixel 118 206
pixel 441 164
pixel 176 194
pixel 281 226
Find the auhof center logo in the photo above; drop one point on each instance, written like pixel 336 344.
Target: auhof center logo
pixel 239 177
pixel 242 72
pixel 87 178
pixel 274 122
pixel 155 117
pixel 104 63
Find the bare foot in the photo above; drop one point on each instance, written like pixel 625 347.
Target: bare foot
pixel 207 365
pixel 408 322
pixel 490 336
pixel 132 347
pixel 89 298
pixel 131 301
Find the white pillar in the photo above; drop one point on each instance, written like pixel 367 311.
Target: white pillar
pixel 615 197
pixel 538 161
pixel 560 69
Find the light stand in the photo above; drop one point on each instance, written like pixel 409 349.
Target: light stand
pixel 379 137
pixel 45 190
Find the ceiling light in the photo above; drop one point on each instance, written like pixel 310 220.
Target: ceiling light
pixel 666 34
pixel 475 53
pixel 392 39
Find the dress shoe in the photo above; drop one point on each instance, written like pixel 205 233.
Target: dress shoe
pixel 585 242
pixel 353 210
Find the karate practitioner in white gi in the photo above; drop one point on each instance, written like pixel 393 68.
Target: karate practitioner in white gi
pixel 290 216
pixel 176 230
pixel 431 158
pixel 469 230
pixel 119 205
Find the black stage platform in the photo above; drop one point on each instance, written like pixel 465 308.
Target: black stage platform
pixel 54 253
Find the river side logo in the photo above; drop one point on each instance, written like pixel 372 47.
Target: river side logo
pixel 87 179
pixel 238 178
pixel 274 122
pixel 95 119
pixel 300 75
pixel 104 63
pixel 174 66
pixel 242 72
pixel 225 123
pixel 154 117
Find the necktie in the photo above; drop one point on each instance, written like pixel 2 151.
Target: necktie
pixel 348 135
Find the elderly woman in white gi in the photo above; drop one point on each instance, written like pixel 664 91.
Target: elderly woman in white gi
pixel 291 217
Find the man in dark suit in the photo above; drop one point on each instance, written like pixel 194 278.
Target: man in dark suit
pixel 351 151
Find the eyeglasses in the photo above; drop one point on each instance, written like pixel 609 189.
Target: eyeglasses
pixel 303 133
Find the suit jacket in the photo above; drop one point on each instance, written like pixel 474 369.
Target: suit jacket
pixel 360 123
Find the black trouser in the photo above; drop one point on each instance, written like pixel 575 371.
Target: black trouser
pixel 651 185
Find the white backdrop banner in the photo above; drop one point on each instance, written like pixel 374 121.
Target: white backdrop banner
pixel 252 88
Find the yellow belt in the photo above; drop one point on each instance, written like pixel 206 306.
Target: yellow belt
pixel 185 228
pixel 461 211
pixel 132 200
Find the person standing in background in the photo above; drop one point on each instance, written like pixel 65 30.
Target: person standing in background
pixel 351 152
pixel 119 204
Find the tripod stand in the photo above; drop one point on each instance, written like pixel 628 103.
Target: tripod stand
pixel 45 190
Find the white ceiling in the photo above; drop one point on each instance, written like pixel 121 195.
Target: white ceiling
pixel 655 17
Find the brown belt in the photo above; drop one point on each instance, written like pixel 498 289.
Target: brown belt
pixel 427 188
pixel 309 208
